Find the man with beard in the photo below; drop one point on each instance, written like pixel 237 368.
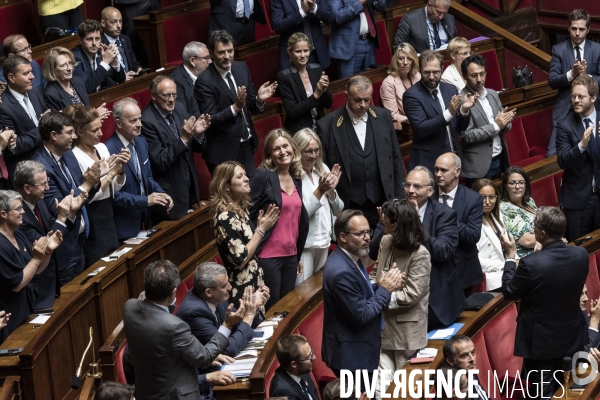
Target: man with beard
pixel 292 379
pixel 459 352
pixel 353 321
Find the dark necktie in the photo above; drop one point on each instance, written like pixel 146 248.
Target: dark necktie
pixel 438 106
pixel 370 23
pixel 36 211
pixel 234 90
pixel 436 36
pixel 304 387
pixel 445 199
pixel 122 53
pixel 231 85
pixel 136 167
pixel 216 314
pixel 67 174
pixel 577 50
pixel 173 125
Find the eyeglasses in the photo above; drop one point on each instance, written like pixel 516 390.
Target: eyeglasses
pixel 417 186
pixel 311 152
pixel 19 209
pixel 362 234
pixel 167 96
pixel 578 97
pixel 66 66
pixel 427 73
pixel 22 50
pixel 44 184
pixel 310 357
pixel 491 197
pixel 516 183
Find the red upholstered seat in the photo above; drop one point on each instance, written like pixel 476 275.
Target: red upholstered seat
pixel 557 181
pixel 338 100
pixel 263 65
pixel 446 63
pixel 269 376
pixel 94 8
pixel 263 127
pixel 173 63
pixel 538 128
pixel 376 98
pixel 262 31
pixel 593 279
pixel 20 18
pixel 203 176
pixel 182 290
pixel 119 364
pixel 383 54
pixel 494 75
pixel 518 147
pixel 397 20
pixel 182 29
pixel 544 192
pixel 483 363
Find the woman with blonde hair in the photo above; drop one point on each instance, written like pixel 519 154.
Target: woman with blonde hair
pixel 320 199
pixel 402 74
pixel 459 48
pixel 237 237
pixel 278 181
pixel 303 87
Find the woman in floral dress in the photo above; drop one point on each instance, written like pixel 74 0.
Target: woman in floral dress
pixel 237 239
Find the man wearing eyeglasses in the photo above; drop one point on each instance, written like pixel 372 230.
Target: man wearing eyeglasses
pixel 17 45
pixel 578 150
pixel 292 379
pixel 195 60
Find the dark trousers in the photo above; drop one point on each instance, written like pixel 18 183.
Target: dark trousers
pixel 433 321
pixel 582 222
pixel 549 386
pixel 279 276
pixel 363 58
pixel 245 157
pixel 493 173
pixel 64 20
pixel 369 209
pixel 244 32
pixel 76 264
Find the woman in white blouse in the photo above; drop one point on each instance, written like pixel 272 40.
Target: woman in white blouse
pixel 459 48
pixel 491 255
pixel 102 238
pixel 319 198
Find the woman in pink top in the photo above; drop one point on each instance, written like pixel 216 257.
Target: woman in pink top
pixel 279 181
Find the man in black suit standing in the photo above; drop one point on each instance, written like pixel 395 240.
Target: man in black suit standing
pixel 292 379
pixel 172 139
pixel 97 64
pixel 362 140
pixel 469 211
pixel 195 60
pixel 225 92
pixel 549 300
pixel 446 298
pixel 238 17
pixel 112 22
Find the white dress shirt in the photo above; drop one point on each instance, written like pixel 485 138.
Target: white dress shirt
pixel 485 104
pixel 360 126
pixel 451 195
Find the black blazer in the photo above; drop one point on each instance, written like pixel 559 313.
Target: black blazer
pixel 266 190
pixel 334 130
pixel 132 62
pixel 170 158
pixel 185 90
pixel 57 99
pixel 293 94
pixel 100 77
pixel 13 116
pixel 549 283
pixel 283 385
pixel 222 15
pixel 469 211
pixel 215 98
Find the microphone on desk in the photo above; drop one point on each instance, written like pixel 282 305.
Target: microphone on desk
pixel 567 368
pixel 76 382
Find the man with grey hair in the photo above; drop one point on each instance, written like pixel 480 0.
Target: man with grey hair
pixel 446 298
pixel 195 60
pixel 549 298
pixel 427 29
pixel 131 203
pixel 469 211
pixel 362 140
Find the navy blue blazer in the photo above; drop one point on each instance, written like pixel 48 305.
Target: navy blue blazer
pixel 130 59
pixel 549 301
pixel 59 188
pixel 283 385
pixel 579 167
pixel 215 98
pixel 46 281
pixel 352 319
pixel 100 77
pixel 469 212
pixel 446 297
pixel 429 125
pixel 57 99
pixel 345 26
pixel 185 90
pixel 38 77
pixel 14 116
pixel 201 320
pixel 128 203
pixel 287 20
pixel 222 15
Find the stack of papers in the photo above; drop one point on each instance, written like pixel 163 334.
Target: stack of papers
pixel 427 352
pixel 241 368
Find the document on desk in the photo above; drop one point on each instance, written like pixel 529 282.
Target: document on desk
pixel 446 333
pixel 267 332
pixel 241 368
pixel 40 319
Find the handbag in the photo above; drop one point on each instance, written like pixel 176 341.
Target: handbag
pixel 522 76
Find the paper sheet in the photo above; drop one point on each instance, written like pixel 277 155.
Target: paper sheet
pixel 115 255
pixel 442 333
pixel 40 319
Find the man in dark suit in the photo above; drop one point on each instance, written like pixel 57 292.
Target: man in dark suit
pixel 354 34
pixel 292 379
pixel 172 139
pixel 361 139
pixel 65 177
pixel 549 301
pixel 97 64
pixel 289 18
pixel 578 147
pixel 31 182
pixel 225 92
pixel 436 112
pixel 446 298
pixel 352 321
pixel 592 320
pixel 131 204
pixel 237 17
pixel 485 153
pixel 22 106
pixel 17 45
pixel 112 22
pixel 570 59
pixel 164 353
pixel 459 352
pixel 427 29
pixel 195 60
pixel 469 213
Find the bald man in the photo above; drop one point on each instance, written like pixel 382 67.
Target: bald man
pixel 112 23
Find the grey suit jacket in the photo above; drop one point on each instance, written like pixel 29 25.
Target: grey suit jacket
pixel 478 138
pixel 413 29
pixel 164 353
